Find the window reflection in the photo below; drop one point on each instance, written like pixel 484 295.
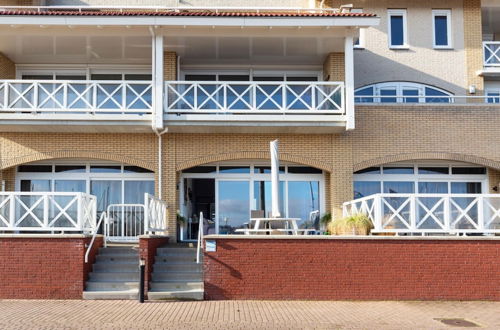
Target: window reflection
pixel 234 205
pixel 262 196
pixel 303 198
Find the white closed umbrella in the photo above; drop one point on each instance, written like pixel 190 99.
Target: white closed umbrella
pixel 275 180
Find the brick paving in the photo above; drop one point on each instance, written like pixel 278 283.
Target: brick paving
pixel 81 314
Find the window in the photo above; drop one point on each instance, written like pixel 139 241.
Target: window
pixel 441 22
pixel 401 92
pixel 397 31
pixel 493 96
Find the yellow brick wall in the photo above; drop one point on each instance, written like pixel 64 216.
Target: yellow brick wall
pixel 494 180
pixel 7 68
pixel 170 66
pixel 334 67
pixel 473 43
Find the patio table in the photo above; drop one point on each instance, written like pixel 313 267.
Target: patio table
pixel 290 223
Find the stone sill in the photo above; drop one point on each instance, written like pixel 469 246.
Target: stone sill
pixel 367 238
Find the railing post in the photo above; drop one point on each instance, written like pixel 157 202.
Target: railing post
pixel 224 95
pixel 313 96
pixel 446 212
pixel 283 95
pixel 377 222
pixel 45 210
pixel 6 87
pixel 94 97
pixel 195 93
pixel 35 95
pixel 79 211
pixel 413 212
pixel 65 95
pixel 12 211
pixel 480 212
pixel 124 97
pixel 146 213
pixel 254 96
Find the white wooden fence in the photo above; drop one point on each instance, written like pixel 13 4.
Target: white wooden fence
pixel 47 211
pixel 429 213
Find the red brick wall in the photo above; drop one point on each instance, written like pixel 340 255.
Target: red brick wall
pixel 44 268
pixel 147 251
pixel 360 269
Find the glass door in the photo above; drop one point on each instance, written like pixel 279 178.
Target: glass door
pixel 233 205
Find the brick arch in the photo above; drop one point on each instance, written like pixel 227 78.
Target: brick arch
pixel 428 155
pixel 252 155
pixel 39 156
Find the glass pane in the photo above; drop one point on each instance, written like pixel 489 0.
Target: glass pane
pixel 493 97
pixel 201 169
pixel 399 187
pixel 466 187
pixel 430 92
pixel 135 190
pixel 398 170
pixel 312 78
pixel 234 169
pixel 135 169
pixel 397 32
pixel 304 170
pixel 262 197
pixel 36 185
pixel 70 77
pixel 388 92
pixel 303 198
pixel 234 205
pixel 105 169
pixel 139 77
pixel 267 169
pixel 433 187
pixel 37 77
pixel 369 170
pixel 70 168
pixel 433 170
pixel 106 76
pixel 468 170
pixel 441 30
pixel 410 92
pixel 263 78
pixel 234 77
pixel 70 186
pixel 362 92
pixel 107 192
pixel 35 168
pixel 366 188
pixel 200 77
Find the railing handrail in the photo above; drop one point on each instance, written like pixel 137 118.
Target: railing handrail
pixel 422 195
pixel 491 42
pixel 96 229
pixel 253 82
pixel 28 193
pixel 199 246
pixel 86 81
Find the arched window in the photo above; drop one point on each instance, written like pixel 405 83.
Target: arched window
pixel 401 92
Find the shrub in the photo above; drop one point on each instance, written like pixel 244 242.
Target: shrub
pixel 356 224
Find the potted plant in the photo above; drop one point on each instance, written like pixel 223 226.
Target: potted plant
pixel 356 224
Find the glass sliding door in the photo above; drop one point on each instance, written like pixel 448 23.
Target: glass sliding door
pixel 303 198
pixel 262 197
pixel 233 205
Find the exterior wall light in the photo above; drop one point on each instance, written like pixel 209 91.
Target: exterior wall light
pixel 472 89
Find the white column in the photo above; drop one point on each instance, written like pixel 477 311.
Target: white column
pixel 349 81
pixel 158 82
pixel 275 180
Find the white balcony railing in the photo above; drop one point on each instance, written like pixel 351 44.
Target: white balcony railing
pixel 430 213
pixel 155 214
pixel 491 50
pixel 184 97
pixel 47 211
pixel 75 97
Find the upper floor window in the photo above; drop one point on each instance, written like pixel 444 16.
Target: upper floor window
pixel 441 21
pixel 397 30
pixel 493 96
pixel 401 92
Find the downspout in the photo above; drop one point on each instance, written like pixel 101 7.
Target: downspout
pixel 153 126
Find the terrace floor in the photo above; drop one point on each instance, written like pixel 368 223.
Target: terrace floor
pixel 79 314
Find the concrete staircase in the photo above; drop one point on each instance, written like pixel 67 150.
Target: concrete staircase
pixel 176 275
pixel 115 274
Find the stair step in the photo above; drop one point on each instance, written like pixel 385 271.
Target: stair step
pixel 175 251
pixel 112 295
pixel 118 251
pixel 111 286
pixel 176 294
pixel 176 285
pixel 117 258
pixel 177 266
pixel 178 276
pixel 175 258
pixel 114 276
pixel 115 267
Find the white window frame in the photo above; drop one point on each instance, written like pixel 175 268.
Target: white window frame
pixel 447 13
pixel 362 32
pixel 397 12
pixel 488 93
pixel 399 86
pixel 254 72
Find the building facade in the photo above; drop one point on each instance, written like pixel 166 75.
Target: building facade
pixel 377 97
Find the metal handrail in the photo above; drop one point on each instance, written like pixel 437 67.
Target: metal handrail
pixel 424 99
pixel 96 229
pixel 199 246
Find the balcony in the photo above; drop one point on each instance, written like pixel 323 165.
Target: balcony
pixel 491 50
pixel 264 106
pixel 82 102
pixel 430 213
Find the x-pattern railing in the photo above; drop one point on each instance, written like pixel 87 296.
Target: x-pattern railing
pixel 76 97
pixel 430 213
pixel 156 214
pixel 491 51
pixel 28 211
pixel 254 97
